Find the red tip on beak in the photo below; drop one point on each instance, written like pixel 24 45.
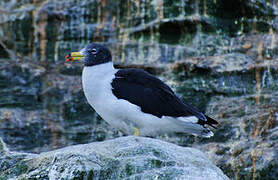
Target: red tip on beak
pixel 68 58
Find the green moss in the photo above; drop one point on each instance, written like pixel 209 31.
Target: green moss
pixel 90 174
pixel 20 168
pixel 129 169
pixel 79 174
pixel 2 146
pixel 106 173
pixel 222 150
pixel 156 163
pixel 13 168
pixel 3 177
pixel 156 153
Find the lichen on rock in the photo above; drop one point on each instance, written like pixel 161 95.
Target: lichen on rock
pixel 120 158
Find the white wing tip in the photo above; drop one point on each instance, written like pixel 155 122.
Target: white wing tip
pixel 207 134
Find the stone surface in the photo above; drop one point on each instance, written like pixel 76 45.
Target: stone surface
pixel 137 31
pixel 125 157
pixel 244 100
pixel 42 111
pixel 248 136
pixel 3 148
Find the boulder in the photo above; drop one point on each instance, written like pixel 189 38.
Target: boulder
pixel 125 157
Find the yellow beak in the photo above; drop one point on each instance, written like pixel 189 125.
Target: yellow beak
pixel 74 56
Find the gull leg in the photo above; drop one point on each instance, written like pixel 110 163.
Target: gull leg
pixel 136 132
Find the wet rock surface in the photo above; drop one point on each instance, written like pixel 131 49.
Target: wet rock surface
pixel 244 145
pixel 125 157
pixel 244 100
pixel 248 136
pixel 137 31
pixel 219 56
pixel 42 109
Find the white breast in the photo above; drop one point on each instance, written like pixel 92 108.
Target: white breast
pixel 96 81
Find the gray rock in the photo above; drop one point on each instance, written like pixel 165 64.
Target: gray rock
pixel 166 30
pixel 3 148
pixel 226 63
pixel 42 111
pixel 126 157
pixel 242 96
pixel 246 144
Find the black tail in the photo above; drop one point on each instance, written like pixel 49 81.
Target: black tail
pixel 211 122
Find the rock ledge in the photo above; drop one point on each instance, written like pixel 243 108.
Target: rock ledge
pixel 125 157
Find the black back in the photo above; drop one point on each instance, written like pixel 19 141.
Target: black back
pixel 151 94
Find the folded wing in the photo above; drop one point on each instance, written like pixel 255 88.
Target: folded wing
pixel 153 96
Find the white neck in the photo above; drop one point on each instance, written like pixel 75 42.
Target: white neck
pixel 99 69
pixel 96 78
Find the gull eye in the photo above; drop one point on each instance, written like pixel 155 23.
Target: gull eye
pixel 93 51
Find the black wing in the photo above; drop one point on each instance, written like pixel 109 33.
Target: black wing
pixel 152 95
